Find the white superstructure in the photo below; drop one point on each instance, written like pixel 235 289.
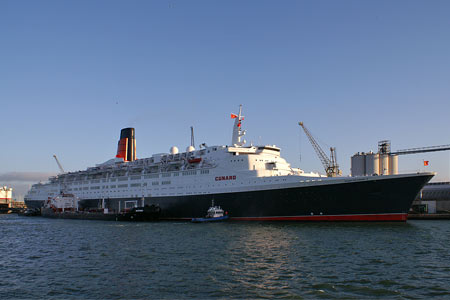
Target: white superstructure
pixel 214 169
pixel 6 196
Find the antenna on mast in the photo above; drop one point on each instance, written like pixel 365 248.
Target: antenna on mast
pixel 238 133
pixel 192 136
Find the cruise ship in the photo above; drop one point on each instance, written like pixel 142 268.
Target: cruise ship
pixel 251 183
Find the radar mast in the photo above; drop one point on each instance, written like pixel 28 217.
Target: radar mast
pixel 238 133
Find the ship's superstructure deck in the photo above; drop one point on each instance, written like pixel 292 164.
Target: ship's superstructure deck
pixel 209 170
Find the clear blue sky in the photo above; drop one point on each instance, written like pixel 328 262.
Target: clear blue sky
pixel 73 73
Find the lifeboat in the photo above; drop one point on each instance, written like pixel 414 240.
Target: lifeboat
pixel 194 160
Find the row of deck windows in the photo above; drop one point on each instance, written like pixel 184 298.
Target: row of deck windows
pixel 139 177
pixel 186 173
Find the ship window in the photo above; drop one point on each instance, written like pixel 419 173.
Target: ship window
pixel 186 173
pixel 151 176
pixel 135 184
pixel 155 183
pixel 122 185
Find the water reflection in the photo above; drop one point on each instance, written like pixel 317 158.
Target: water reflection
pixel 260 259
pixel 164 260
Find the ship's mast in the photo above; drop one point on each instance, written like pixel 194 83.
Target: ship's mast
pixel 192 137
pixel 237 132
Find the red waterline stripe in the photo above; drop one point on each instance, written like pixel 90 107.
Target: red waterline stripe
pixel 377 217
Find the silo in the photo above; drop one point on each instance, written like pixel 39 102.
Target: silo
pixel 385 164
pixel 372 162
pixel 393 165
pixel 358 167
pixel 369 163
pixel 376 164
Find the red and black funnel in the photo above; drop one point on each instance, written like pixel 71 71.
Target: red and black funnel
pixel 126 148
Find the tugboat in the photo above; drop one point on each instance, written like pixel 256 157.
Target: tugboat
pixel 214 214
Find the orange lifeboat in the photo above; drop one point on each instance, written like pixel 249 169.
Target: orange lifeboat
pixel 194 160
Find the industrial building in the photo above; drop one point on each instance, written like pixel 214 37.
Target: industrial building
pixel 433 198
pixel 366 164
pixel 384 162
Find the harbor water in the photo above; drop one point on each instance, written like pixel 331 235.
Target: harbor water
pixel 76 259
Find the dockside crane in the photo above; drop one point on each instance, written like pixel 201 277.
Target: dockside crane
pixel 63 186
pixel 59 164
pixel 330 164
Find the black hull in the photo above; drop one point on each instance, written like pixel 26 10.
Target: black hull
pixel 375 199
pixel 34 204
pixel 141 214
pixel 49 213
pixel 137 214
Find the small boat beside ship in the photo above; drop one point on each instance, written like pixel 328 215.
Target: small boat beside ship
pixel 214 214
pixel 66 206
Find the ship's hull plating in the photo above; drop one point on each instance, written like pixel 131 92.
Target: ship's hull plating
pixel 34 203
pixel 381 199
